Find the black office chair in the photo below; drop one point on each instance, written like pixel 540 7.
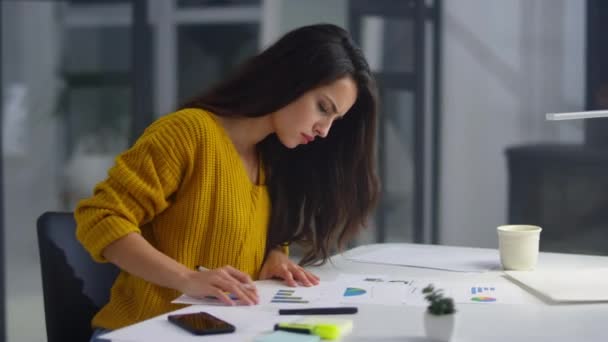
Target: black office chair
pixel 74 286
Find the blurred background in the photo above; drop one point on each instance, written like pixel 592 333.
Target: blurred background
pixel 463 144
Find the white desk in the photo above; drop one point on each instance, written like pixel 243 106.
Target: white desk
pixel 535 321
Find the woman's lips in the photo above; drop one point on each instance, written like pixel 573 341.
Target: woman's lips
pixel 307 138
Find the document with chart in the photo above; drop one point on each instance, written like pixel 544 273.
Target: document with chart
pixel 352 289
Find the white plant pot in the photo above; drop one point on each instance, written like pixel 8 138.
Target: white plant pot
pixel 439 328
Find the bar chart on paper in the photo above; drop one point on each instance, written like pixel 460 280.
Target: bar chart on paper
pixel 288 296
pixel 282 296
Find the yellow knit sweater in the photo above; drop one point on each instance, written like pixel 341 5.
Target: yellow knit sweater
pixel 183 187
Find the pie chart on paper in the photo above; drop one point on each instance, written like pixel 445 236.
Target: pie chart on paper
pixel 353 291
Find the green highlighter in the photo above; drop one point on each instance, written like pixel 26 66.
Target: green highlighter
pixel 328 329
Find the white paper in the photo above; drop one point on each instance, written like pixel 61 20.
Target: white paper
pixel 373 289
pixel 275 294
pixel 352 289
pixel 573 285
pixel 443 257
pixel 346 289
pixel 386 290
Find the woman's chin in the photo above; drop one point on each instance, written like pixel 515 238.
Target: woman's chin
pixel 292 146
pixel 289 144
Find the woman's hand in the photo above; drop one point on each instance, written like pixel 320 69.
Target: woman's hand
pixel 278 265
pixel 219 283
pixel 137 256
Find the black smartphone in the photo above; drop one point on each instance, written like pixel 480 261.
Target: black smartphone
pixel 201 323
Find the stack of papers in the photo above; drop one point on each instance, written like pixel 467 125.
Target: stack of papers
pixel 460 259
pixel 586 285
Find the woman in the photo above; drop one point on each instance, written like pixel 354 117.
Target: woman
pixel 234 177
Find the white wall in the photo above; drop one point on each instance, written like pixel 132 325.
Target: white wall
pixel 505 64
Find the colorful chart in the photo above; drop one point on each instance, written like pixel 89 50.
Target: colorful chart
pixel 480 294
pixel 287 296
pixel 478 289
pixel 484 299
pixel 353 291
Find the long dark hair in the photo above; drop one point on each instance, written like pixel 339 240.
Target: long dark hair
pixel 325 191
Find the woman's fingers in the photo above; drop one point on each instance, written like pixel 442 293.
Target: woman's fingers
pixel 238 275
pixel 300 276
pixel 244 292
pixel 223 297
pixel 287 276
pixel 242 280
pixel 312 278
pixel 305 277
pixel 228 284
pixel 292 275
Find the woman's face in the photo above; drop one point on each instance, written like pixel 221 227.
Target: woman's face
pixel 312 114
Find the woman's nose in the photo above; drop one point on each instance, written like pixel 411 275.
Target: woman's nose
pixel 322 128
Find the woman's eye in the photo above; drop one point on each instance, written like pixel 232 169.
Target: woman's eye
pixel 322 108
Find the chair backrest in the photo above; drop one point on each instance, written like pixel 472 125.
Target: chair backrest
pixel 74 286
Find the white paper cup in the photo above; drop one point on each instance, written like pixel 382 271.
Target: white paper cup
pixel 518 246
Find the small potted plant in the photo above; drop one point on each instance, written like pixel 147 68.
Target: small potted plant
pixel 439 316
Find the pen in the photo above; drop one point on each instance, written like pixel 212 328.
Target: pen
pixel 320 311
pixel 295 328
pixel 326 331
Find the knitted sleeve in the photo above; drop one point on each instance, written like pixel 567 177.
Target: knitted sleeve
pixel 139 185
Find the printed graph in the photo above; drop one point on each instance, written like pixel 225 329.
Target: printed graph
pixel 354 291
pixel 483 294
pixel 287 296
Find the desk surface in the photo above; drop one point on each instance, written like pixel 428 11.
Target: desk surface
pixel 534 321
